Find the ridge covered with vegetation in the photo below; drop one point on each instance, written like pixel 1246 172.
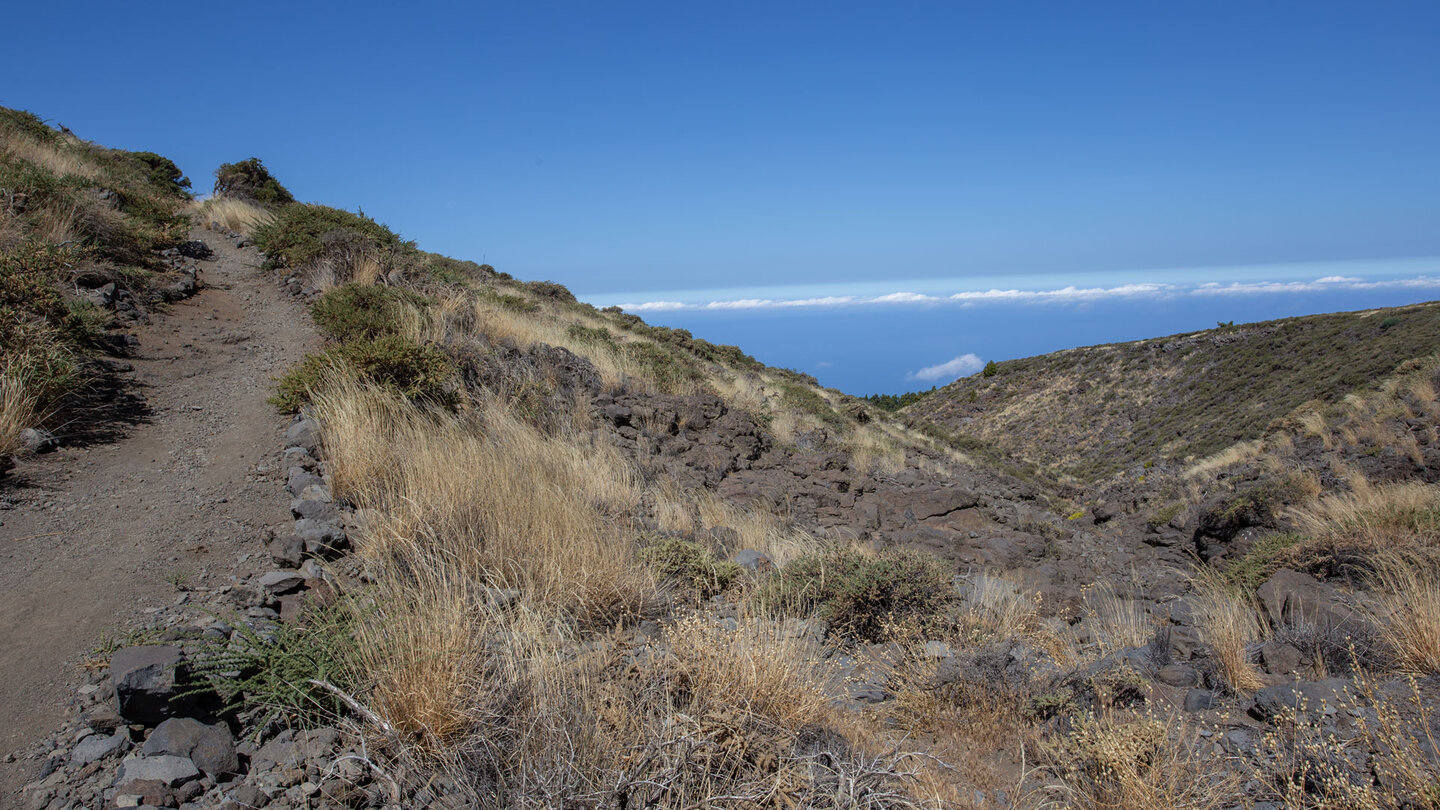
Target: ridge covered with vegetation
pixel 73 216
pixel 1094 412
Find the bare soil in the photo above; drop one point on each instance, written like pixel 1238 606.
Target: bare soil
pixel 177 488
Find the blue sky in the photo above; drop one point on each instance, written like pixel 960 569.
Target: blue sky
pixel 651 153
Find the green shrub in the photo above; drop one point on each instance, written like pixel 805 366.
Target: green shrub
pixel 805 398
pixel 361 312
pixel 418 372
pixel 514 303
pixel 272 671
pixel 1389 322
pixel 550 289
pixel 991 369
pixel 163 174
pixel 860 595
pixel 293 238
pixel 690 566
pixel 250 180
pixel 1251 571
pixel 670 370
pixel 725 354
pixel 599 336
pixel 1164 514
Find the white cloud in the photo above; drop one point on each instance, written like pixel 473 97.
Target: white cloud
pixel 1063 295
pixel 953 369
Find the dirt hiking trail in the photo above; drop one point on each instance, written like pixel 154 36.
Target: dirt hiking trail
pixel 101 532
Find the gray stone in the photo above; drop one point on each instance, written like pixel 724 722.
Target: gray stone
pixel 144 680
pixel 937 649
pixel 320 536
pixel 287 549
pixel 752 560
pixel 809 629
pixel 1290 597
pixel 298 457
pixel 246 796
pixel 1177 675
pixel 279 583
pixel 165 769
pixel 304 432
pixel 308 509
pixel 1199 700
pixel 37 440
pixel 1302 697
pixel 195 249
pixel 211 748
pixel 97 747
pixel 1281 658
pixel 297 479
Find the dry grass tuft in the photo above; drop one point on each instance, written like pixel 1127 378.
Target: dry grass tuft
pixel 494 499
pixel 1119 760
pixel 18 408
pixel 1120 622
pixel 1229 622
pixel 999 607
pixel 232 213
pixel 59 159
pixel 1408 591
pixel 1347 533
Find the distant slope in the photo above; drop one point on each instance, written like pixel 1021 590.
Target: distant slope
pixel 1093 412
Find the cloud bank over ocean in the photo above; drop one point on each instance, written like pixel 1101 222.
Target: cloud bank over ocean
pixel 1060 295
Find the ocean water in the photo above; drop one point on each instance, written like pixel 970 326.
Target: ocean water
pixel 879 348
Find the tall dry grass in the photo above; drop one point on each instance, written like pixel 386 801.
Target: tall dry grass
pixel 1378 517
pixel 691 512
pixel 18 408
pixel 999 607
pixel 61 160
pixel 1120 622
pixel 1407 588
pixel 493 499
pixel 1146 760
pixel 1230 622
pixel 231 213
pixel 500 324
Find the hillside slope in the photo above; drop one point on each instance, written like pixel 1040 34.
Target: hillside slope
pixel 1092 412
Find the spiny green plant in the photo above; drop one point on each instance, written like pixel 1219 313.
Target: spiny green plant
pixel 274 670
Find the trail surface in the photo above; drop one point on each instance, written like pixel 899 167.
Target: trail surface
pixel 93 536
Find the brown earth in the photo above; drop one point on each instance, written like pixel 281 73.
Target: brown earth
pixel 176 490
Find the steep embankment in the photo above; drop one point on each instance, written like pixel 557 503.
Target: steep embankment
pixel 98 534
pixel 1094 412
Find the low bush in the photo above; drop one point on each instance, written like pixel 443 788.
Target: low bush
pixel 860 595
pixel 672 372
pixel 361 312
pixel 689 565
pixel 419 373
pixel 598 336
pixel 250 180
pixel 1250 571
pixel 300 235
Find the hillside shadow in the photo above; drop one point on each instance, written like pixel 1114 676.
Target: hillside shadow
pixel 105 411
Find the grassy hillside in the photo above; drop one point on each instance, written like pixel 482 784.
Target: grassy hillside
pixel 74 217
pixel 1096 411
